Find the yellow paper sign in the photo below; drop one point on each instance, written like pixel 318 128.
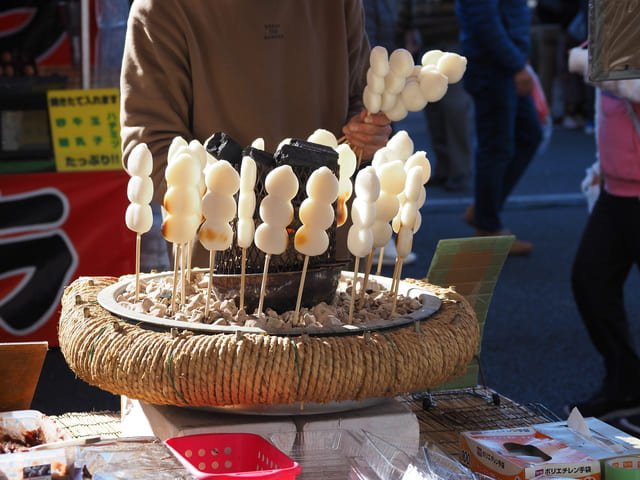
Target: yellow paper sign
pixel 85 129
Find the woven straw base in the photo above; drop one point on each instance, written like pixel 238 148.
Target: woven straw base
pixel 187 369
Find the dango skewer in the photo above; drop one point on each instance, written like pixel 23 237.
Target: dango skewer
pixel 276 212
pixel 183 205
pixel 392 179
pixel 196 149
pixel 418 172
pixel 218 208
pixel 246 207
pixel 363 214
pixel 347 166
pixel 139 217
pixel 316 215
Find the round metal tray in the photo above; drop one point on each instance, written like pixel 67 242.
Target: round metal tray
pixel 430 304
pixel 297 408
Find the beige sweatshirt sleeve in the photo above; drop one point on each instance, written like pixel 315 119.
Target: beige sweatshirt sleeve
pixel 155 83
pixel 359 49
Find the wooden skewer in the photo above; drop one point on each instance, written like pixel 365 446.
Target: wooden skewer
pixel 137 266
pixel 360 152
pixel 367 269
pixel 342 139
pixel 243 272
pixel 212 261
pixel 397 286
pixel 380 258
pixel 394 276
pixel 189 252
pixel 176 253
pixel 183 269
pixel 354 289
pixel 263 287
pixel 301 288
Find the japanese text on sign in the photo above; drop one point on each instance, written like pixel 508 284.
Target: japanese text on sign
pixel 85 129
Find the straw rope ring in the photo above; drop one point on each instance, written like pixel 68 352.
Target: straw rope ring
pixel 223 369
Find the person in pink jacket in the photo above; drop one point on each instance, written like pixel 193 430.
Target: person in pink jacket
pixel 610 246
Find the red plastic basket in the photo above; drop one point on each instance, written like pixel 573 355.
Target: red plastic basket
pixel 232 456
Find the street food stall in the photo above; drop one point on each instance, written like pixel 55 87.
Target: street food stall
pixel 277 360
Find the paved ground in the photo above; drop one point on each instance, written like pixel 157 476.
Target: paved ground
pixel 535 349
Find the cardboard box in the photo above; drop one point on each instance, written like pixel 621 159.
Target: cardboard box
pixel 604 440
pixel 524 453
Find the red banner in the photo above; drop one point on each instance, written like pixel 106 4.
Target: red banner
pixel 55 227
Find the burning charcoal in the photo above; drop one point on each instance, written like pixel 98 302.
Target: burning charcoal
pixel 300 153
pixel 223 147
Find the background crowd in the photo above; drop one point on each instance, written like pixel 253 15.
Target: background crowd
pixel 484 134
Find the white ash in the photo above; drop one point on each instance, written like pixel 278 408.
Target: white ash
pixel 155 299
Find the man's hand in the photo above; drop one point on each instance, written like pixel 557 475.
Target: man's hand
pixel 524 82
pixel 367 133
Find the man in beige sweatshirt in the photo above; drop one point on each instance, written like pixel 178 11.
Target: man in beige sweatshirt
pixel 250 68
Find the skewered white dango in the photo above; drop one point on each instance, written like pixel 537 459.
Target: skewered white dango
pixel 177 143
pixel 140 163
pixel 420 159
pixel 363 216
pixel 379 61
pixel 392 179
pixel 360 236
pixel 138 216
pixel 276 213
pixel 398 111
pixel 408 210
pixel 246 202
pixel 258 143
pixel 316 213
pixel 184 170
pixel 383 155
pixel 347 163
pixel 433 83
pixel 276 210
pixel 412 97
pixel 453 66
pixel 372 101
pixel 245 228
pixel 400 145
pixel 406 87
pixel 431 57
pixel 401 62
pixel 375 82
pixel 182 200
pixel 219 206
pixel 388 101
pixel 394 83
pixel 180 229
pixel 196 149
pixel 323 137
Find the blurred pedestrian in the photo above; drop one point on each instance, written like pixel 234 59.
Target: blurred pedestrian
pixel 433 25
pixel 380 23
pixel 495 40
pixel 579 96
pixel 610 245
